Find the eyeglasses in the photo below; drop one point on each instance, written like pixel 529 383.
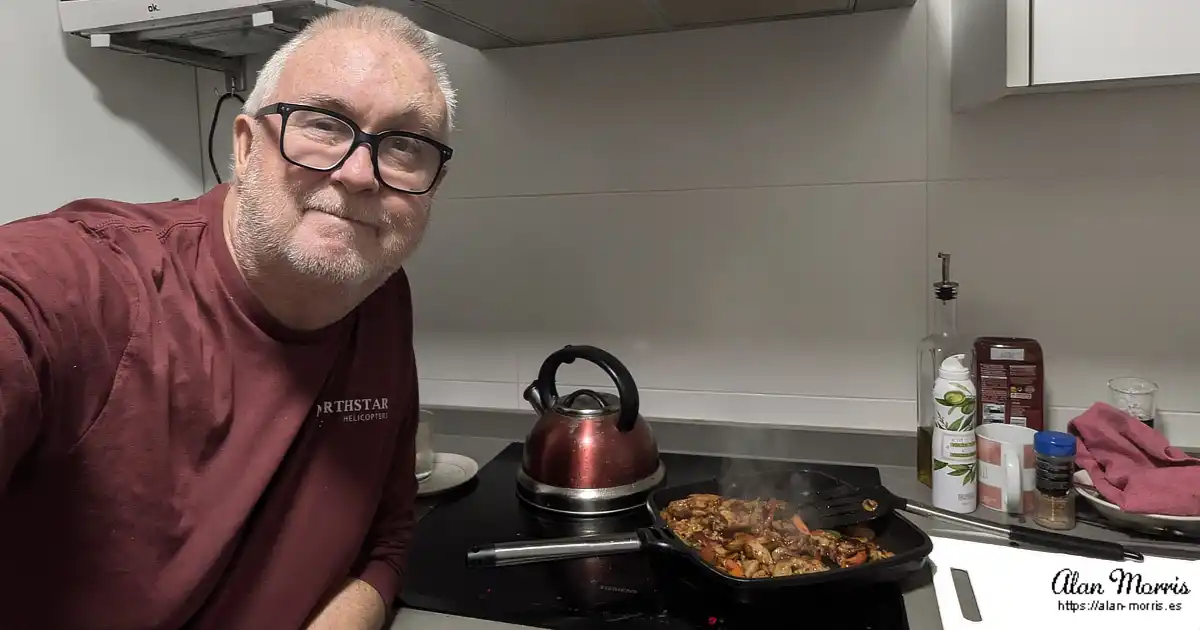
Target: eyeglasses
pixel 322 140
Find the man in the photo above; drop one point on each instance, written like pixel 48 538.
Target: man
pixel 208 407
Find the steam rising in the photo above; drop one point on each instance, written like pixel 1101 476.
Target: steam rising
pixel 744 476
pixel 785 481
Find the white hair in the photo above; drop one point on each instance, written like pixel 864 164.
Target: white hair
pixel 370 19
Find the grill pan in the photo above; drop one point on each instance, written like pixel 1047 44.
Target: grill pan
pixel 909 544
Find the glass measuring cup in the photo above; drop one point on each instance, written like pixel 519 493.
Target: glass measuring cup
pixel 424 445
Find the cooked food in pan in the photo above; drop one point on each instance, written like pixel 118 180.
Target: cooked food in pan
pixel 762 538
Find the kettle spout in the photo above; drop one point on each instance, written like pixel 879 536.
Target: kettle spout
pixel 533 395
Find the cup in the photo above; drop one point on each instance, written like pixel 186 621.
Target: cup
pixel 1135 396
pixel 1007 467
pixel 424 464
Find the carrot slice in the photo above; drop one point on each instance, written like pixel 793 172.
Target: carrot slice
pixel 799 523
pixel 734 567
pixel 856 559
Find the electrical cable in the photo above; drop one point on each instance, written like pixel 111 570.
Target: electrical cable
pixel 212 130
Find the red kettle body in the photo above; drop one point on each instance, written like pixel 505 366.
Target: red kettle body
pixel 589 452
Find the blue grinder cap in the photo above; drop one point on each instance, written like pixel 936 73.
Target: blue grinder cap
pixel 1054 443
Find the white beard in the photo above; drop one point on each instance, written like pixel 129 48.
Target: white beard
pixel 268 217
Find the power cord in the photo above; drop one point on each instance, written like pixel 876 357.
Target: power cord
pixel 212 130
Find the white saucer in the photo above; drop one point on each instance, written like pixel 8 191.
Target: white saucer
pixel 449 471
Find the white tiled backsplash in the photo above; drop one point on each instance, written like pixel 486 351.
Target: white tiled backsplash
pixel 749 219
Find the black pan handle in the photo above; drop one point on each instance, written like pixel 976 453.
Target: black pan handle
pixel 546 391
pixel 1086 547
pixel 549 549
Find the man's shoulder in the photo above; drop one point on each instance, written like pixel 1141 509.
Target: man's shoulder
pixel 105 232
pixel 103 217
pixel 103 248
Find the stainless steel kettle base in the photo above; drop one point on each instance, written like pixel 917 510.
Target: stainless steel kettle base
pixel 588 502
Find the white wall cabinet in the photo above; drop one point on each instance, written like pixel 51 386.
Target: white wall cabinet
pixel 1004 47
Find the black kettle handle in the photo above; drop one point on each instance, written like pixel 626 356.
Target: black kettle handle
pixel 626 389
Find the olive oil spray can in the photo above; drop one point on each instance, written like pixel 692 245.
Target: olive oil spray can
pixel 955 460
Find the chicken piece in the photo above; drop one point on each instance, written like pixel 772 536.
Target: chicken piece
pixel 693 505
pixel 821 542
pixel 768 511
pixel 676 510
pixel 876 553
pixel 739 541
pixel 849 552
pixel 711 551
pixel 798 566
pixel 853 560
pixel 734 521
pixel 688 529
pixel 758 552
pixel 750 567
pixel 768 539
pixel 808 564
pixel 840 550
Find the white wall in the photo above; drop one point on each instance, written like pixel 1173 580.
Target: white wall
pixel 749 218
pixel 80 122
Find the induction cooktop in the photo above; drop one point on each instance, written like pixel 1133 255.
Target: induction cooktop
pixel 626 590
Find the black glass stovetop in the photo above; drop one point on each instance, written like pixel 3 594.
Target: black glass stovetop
pixel 626 590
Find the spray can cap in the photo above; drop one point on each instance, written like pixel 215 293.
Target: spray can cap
pixel 954 368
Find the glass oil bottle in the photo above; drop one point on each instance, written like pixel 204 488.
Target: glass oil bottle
pixel 941 342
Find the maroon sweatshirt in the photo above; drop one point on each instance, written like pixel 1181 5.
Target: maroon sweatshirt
pixel 173 457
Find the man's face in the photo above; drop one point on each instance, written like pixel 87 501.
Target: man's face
pixel 343 225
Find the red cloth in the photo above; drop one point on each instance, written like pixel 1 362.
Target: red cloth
pixel 1133 466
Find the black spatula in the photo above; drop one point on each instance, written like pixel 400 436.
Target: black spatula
pixel 840 507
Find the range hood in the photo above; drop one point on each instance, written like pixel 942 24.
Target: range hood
pixel 213 34
pixel 220 34
pixel 488 24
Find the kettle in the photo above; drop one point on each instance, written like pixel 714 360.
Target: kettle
pixel 589 453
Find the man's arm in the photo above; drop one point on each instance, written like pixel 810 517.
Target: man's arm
pixel 357 606
pixel 364 602
pixel 22 358
pixel 64 322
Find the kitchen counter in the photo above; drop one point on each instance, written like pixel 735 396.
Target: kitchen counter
pixel 919 598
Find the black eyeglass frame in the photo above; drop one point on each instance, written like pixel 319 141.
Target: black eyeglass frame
pixel 372 140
